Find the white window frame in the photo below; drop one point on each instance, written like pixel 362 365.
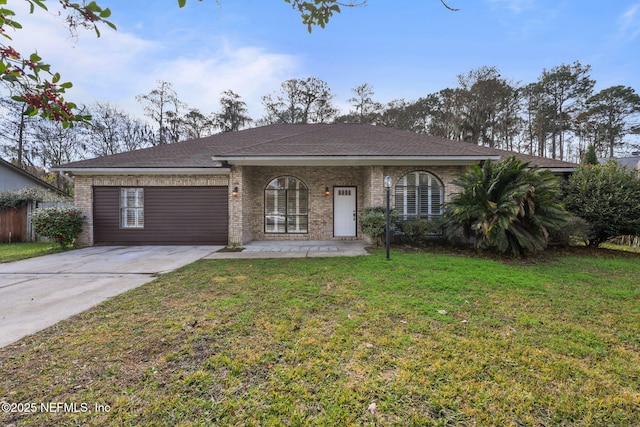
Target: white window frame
pixel 293 217
pixel 412 196
pixel 132 215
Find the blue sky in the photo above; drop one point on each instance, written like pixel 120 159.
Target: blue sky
pixel 402 48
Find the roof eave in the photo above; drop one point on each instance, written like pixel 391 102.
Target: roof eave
pixel 352 160
pixel 143 171
pixel 560 170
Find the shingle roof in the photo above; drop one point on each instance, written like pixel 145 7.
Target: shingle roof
pixel 29 177
pixel 308 141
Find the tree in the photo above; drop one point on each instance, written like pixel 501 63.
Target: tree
pixel 611 111
pixel 16 128
pixel 606 196
pixel 590 157
pixel 163 107
pixel 539 115
pixel 486 94
pixel 318 12
pixel 197 125
pixel 38 88
pixel 509 121
pixel 45 95
pixel 396 115
pixel 567 88
pixel 448 119
pixel 419 116
pixel 300 101
pixel 506 206
pixel 113 131
pixel 233 113
pixel 56 144
pixel 365 108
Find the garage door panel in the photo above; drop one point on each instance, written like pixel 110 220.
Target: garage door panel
pixel 172 215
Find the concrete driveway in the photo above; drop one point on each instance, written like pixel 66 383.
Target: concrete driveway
pixel 39 292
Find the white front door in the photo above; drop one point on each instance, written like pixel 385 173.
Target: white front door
pixel 344 211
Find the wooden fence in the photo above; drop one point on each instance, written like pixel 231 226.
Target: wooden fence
pixel 633 241
pixel 15 223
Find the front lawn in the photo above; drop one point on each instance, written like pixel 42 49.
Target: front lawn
pixel 425 339
pixel 17 251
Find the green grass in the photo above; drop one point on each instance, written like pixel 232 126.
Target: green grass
pixel 18 251
pixel 615 247
pixel 426 339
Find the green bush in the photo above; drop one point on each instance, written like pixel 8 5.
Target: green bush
pixel 61 225
pixel 373 222
pixel 575 231
pixel 18 198
pixel 606 196
pixel 416 232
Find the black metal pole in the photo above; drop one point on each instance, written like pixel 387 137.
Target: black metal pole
pixel 388 240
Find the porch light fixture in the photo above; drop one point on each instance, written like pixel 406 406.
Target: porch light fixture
pixel 387 184
pixel 326 191
pixel 234 192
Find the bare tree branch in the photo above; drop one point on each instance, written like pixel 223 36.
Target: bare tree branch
pixel 449 7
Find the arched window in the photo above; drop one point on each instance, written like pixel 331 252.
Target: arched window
pixel 419 195
pixel 286 206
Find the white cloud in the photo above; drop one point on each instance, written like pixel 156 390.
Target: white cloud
pixel 629 23
pixel 516 6
pixel 249 71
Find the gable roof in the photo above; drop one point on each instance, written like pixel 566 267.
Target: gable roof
pixel 629 162
pixel 15 178
pixel 315 144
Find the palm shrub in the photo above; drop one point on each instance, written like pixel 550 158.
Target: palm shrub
pixel 506 206
pixel 606 196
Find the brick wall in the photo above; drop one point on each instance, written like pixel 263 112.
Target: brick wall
pixel 246 209
pixel 368 181
pixel 320 205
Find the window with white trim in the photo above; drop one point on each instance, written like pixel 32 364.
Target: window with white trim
pixel 132 208
pixel 419 195
pixel 286 206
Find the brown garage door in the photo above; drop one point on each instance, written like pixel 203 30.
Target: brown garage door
pixel 172 216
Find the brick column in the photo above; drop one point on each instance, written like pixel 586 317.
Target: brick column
pixel 376 186
pixel 238 228
pixel 83 201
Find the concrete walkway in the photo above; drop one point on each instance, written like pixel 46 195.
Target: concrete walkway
pixel 295 249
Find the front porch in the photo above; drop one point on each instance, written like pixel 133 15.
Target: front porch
pixel 262 209
pixel 326 206
pixel 295 249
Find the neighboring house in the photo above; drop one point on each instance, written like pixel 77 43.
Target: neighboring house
pixel 630 162
pixel 15 225
pixel 278 182
pixel 12 178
